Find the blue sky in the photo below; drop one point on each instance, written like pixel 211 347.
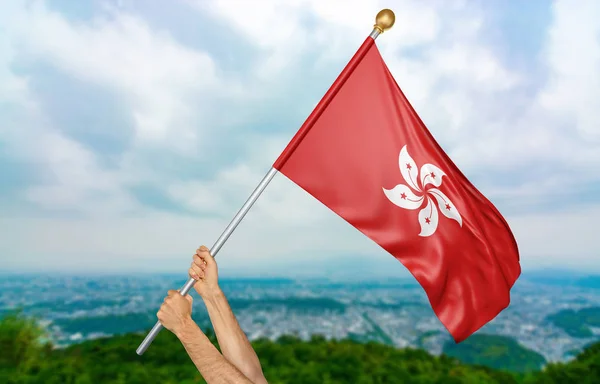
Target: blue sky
pixel 131 132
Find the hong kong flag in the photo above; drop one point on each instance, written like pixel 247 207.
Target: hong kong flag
pixel 365 154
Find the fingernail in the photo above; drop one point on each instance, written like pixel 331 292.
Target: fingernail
pixel 203 248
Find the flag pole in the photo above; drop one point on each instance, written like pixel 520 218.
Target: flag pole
pixel 383 21
pixel 214 250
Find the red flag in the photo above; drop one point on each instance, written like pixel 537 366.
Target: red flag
pixel 366 154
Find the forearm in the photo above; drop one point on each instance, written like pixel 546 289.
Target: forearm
pixel 212 365
pixel 233 341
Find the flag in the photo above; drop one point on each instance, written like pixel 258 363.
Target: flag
pixel 365 153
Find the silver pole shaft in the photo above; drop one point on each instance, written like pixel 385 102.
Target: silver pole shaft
pixel 214 250
pixel 223 238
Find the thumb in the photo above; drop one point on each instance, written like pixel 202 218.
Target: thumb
pixel 189 298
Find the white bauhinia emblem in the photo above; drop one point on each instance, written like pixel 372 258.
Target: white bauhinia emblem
pixel 425 184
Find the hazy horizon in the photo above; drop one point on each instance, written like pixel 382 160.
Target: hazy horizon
pixel 334 272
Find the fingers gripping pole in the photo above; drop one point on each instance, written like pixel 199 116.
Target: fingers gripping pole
pixel 214 250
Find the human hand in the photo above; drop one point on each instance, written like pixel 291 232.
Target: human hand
pixel 176 311
pixel 204 270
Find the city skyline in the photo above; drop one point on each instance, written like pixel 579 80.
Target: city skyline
pixel 131 133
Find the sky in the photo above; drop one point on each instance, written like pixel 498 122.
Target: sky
pixel 131 132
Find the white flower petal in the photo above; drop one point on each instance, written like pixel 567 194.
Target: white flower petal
pixel 430 174
pixel 446 207
pixel 428 218
pixel 403 197
pixel 409 169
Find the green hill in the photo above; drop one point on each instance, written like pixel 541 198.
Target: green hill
pixel 577 323
pixel 24 359
pixel 495 351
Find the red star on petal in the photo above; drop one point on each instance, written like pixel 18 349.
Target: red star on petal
pixel 403 195
pixel 432 175
pixel 408 166
pixel 448 206
pixel 427 220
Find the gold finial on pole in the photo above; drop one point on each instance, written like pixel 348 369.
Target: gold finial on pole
pixel 384 20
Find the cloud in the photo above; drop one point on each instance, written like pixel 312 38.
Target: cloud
pixel 573 55
pixel 203 137
pixel 147 70
pixel 558 126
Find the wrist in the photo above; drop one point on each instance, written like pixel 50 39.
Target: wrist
pixel 187 326
pixel 212 294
